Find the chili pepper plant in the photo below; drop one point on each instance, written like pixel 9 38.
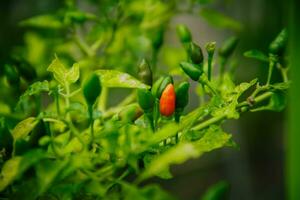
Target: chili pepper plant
pixel 60 137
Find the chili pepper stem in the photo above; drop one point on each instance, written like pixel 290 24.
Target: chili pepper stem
pixel 209 66
pixel 203 80
pixel 271 66
pixel 90 110
pixel 149 117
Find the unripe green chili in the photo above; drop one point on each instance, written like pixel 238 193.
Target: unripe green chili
pixel 145 99
pixel 24 68
pixel 210 48
pixel 92 89
pixel 228 47
pixel 130 113
pixel 158 39
pixel 195 53
pixel 156 86
pixel 192 70
pixel 278 45
pixel 182 95
pixel 12 75
pixel 184 34
pixel 145 72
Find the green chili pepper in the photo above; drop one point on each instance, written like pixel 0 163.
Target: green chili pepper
pixel 195 53
pixel 166 81
pixel 184 34
pixel 156 86
pixel 145 100
pixel 158 39
pixel 130 113
pixel 182 95
pixel 228 47
pixel 278 45
pixel 192 70
pixel 92 89
pixel 145 73
pixel 210 48
pixel 12 75
pixel 25 69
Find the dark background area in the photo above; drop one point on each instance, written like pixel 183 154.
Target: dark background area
pixel 256 170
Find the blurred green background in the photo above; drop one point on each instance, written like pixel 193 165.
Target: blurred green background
pixel 256 171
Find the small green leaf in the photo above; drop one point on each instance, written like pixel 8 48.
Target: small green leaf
pixel 281 86
pixel 23 128
pixel 114 78
pixel 73 74
pixel 61 74
pixel 256 54
pixel 220 20
pixel 43 21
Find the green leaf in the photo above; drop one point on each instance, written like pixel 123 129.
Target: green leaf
pixel 220 20
pixel 281 86
pixel 47 172
pixel 214 138
pixel 73 74
pixel 256 54
pixel 167 131
pixel 114 78
pixel 23 128
pixel 231 97
pixel 217 191
pixel 61 74
pixel 34 89
pixel 16 166
pixel 276 103
pixel 43 21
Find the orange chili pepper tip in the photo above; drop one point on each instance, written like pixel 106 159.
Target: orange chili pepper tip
pixel 167 101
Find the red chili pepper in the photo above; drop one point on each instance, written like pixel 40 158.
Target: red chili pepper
pixel 167 101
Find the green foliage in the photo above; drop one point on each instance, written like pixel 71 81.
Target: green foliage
pixel 65 140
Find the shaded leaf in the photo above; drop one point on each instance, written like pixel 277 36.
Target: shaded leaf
pixel 43 21
pixel 34 89
pixel 217 191
pixel 17 165
pixel 256 54
pixel 214 138
pixel 220 20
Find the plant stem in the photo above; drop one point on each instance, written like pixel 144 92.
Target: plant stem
pixel 209 66
pixel 271 66
pixel 90 110
pixel 219 118
pixel 203 80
